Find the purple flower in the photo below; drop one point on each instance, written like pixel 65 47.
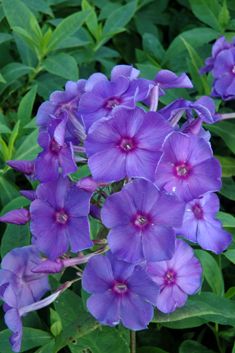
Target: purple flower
pixel 104 97
pixel 167 79
pixel 177 278
pixel 201 226
pixel 59 218
pixel 218 46
pixel 126 145
pixel 26 167
pixel 141 220
pixel 56 155
pixel 187 167
pixel 121 292
pixel 20 287
pixel 19 216
pixel 224 74
pixel 63 105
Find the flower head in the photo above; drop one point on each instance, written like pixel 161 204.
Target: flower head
pixel 177 278
pixel 141 220
pixel 201 226
pixel 59 218
pixel 20 287
pixel 187 167
pixel 126 145
pixel 120 292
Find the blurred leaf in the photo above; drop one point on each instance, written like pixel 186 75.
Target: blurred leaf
pixel 25 109
pixel 31 338
pixel 227 219
pixel 119 18
pixel 56 325
pixel 205 307
pixel 150 350
pixel 211 271
pixel 29 148
pixel 224 16
pixel 15 236
pixel 92 21
pixel 230 293
pixel 193 347
pixel 19 15
pixel 153 46
pixel 12 139
pixel 63 65
pixel 2 79
pixel 48 348
pixel 39 6
pixel 5 37
pixel 11 72
pixel 226 131
pixel 66 28
pixel 207 11
pixel 8 190
pixel 228 166
pixel 4 129
pixel 230 254
pixel 228 188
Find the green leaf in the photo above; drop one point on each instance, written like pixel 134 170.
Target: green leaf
pixel 193 347
pixel 2 79
pixel 63 65
pixel 227 219
pixel 226 130
pixel 31 338
pixel 175 57
pixel 102 340
pixel 66 28
pixel 19 15
pixel 153 46
pixel 48 348
pixel 211 271
pixel 195 63
pixel 82 172
pixel 18 202
pixel 8 190
pixel 230 254
pixel 228 166
pixel 207 11
pixel 15 236
pixel 11 72
pixel 4 129
pixel 12 139
pixel 150 350
pixel 5 37
pixel 205 307
pixel 25 109
pixel 224 16
pixel 228 188
pixel 92 21
pixel 119 18
pixel 29 148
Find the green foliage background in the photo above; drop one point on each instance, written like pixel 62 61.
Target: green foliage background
pixel 44 43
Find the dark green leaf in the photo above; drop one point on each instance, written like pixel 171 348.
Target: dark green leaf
pixel 193 347
pixel 227 219
pixel 24 113
pixel 63 65
pixel 228 166
pixel 15 236
pixel 207 11
pixel 29 148
pixel 8 190
pixel 226 131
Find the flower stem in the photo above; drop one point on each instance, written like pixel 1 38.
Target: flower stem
pixel 132 342
pixel 227 116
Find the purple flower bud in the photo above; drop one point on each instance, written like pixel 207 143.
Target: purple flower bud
pixel 19 216
pixel 88 184
pixel 28 194
pixel 26 167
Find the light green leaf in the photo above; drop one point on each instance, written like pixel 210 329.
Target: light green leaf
pixel 66 28
pixel 29 148
pixel 92 21
pixel 230 254
pixel 24 112
pixel 18 202
pixel 63 65
pixel 211 271
pixel 2 79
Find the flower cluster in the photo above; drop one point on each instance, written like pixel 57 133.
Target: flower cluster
pixel 153 178
pixel 222 66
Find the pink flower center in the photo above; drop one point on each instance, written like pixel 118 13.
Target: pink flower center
pixel 197 211
pixel 113 102
pixel 141 220
pixel 61 217
pixel 127 144
pixel 120 288
pixel 170 277
pixel 182 170
pixel 54 146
